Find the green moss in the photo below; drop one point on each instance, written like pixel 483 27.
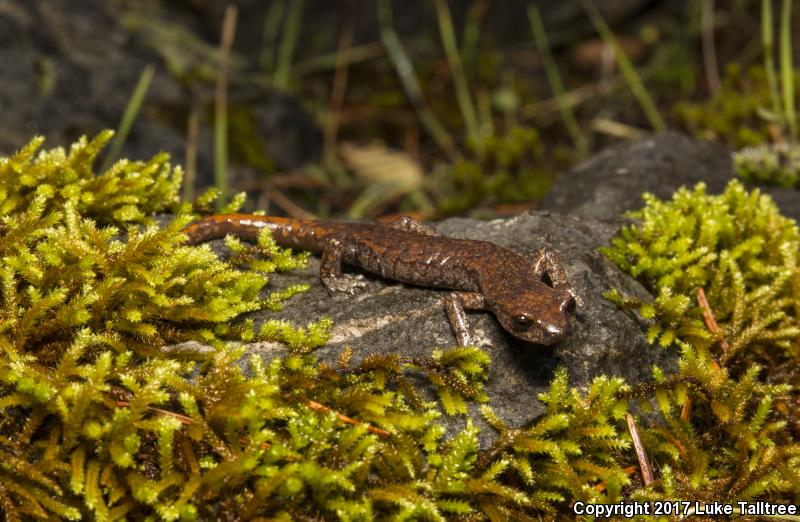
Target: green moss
pixel 247 147
pixel 128 192
pixel 737 247
pixel 98 419
pixel 777 165
pixel 736 115
pixel 506 173
pixel 104 415
pixel 720 436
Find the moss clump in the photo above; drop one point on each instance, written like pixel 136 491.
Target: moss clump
pixel 503 173
pixel 128 192
pixel 735 115
pixel 575 451
pixel 101 419
pixel 777 165
pixel 736 246
pixel 721 435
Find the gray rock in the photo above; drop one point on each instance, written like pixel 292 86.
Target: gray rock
pixel 787 199
pixel 611 183
pixel 396 318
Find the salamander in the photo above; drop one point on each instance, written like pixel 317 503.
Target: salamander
pixel 532 300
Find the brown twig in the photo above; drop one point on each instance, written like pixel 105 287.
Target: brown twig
pixel 686 410
pixel 713 327
pixel 339 81
pixel 711 322
pixel 641 454
pixel 182 418
pixel 192 131
pixel 319 408
pixel 347 420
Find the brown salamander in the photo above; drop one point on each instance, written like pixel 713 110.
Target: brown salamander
pixel 532 299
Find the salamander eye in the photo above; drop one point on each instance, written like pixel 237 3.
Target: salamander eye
pixel 521 323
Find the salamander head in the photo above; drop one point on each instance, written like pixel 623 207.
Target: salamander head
pixel 537 313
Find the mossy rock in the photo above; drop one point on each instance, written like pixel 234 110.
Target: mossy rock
pixel 126 390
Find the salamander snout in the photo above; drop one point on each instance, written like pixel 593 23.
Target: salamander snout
pixel 554 332
pixel 553 323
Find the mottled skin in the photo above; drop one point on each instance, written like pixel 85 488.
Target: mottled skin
pixel 532 299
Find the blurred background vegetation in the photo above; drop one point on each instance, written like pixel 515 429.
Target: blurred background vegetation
pixel 369 108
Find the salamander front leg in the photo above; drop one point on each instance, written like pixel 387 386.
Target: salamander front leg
pixel 455 303
pixel 410 224
pixel 548 267
pixel 330 271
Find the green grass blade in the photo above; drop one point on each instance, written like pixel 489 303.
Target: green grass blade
pixel 221 106
pixel 283 69
pixel 408 79
pixel 472 32
pixel 768 43
pixel 269 35
pixel 328 61
pixel 787 68
pixel 626 67
pixel 554 78
pixel 129 116
pixel 463 96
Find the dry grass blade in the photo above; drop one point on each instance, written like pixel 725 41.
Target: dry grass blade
pixel 192 132
pixel 641 454
pixel 386 174
pixel 617 129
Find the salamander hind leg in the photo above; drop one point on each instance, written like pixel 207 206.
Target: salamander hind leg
pixel 410 224
pixel 330 271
